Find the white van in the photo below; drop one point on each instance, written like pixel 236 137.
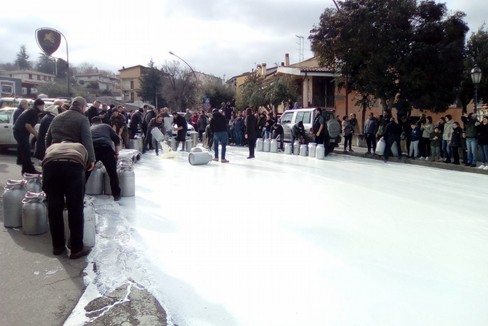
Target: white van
pixel 291 117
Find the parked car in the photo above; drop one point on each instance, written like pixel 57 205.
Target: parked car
pixel 7 139
pixel 13 101
pixel 291 117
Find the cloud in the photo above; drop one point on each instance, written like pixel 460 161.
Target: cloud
pixel 216 37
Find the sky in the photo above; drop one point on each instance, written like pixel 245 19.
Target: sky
pixel 223 38
pixel 291 240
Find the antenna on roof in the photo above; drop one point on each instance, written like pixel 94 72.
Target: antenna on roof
pixel 300 47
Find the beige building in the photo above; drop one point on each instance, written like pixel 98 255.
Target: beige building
pixel 30 80
pixel 105 82
pixel 319 89
pixel 130 82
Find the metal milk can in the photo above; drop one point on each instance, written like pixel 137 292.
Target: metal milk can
pixel 127 181
pixel 94 184
pixel 188 144
pixel 12 203
pixel 296 147
pixel 199 158
pixel 259 144
pixel 288 148
pixel 266 145
pixel 34 213
pixel 32 182
pixel 172 143
pixel 320 152
pixel 274 146
pixel 89 225
pixel 303 150
pixel 311 149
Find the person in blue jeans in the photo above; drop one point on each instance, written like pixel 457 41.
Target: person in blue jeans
pixel 471 124
pixel 483 142
pixel 218 126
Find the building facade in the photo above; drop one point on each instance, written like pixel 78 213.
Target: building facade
pixel 30 80
pixel 130 82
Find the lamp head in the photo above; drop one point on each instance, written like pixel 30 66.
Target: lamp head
pixel 476 74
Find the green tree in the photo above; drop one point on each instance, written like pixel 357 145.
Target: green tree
pixel 217 93
pixel 279 90
pixel 476 53
pixel 22 62
pixel 152 85
pixel 432 69
pixel 46 64
pixel 252 93
pixel 394 50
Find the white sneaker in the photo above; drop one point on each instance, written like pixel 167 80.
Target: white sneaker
pixel 482 166
pixel 427 158
pixel 486 167
pixel 421 158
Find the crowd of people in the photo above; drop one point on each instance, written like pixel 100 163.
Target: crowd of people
pixel 71 138
pixel 446 140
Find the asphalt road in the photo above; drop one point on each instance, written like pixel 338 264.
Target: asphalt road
pixel 36 288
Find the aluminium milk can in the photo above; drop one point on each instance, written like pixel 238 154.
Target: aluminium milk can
pixel 259 145
pixel 288 148
pixel 320 152
pixel 199 158
pixel 89 229
pixel 32 182
pixel 188 144
pixel 266 145
pixel 12 203
pixel 296 147
pixel 311 149
pixel 34 213
pixel 274 146
pixel 127 181
pixel 303 150
pixel 94 184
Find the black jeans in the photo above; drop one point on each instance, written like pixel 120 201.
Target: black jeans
pixel 347 141
pixel 106 155
pixel 60 181
pixel 252 145
pixel 455 154
pixel 371 142
pixel 282 139
pixel 24 153
pixel 389 142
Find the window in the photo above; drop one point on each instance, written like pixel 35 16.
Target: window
pixel 286 118
pixel 7 88
pixel 304 116
pixel 5 117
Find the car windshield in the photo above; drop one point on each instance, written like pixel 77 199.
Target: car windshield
pixel 5 116
pixel 304 116
pixel 286 118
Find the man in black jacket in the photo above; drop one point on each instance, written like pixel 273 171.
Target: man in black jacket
pixel 23 105
pixel 218 126
pixel 93 111
pixel 135 122
pixel 392 135
pixel 106 144
pixel 23 127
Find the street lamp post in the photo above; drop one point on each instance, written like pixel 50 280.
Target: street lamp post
pixel 193 71
pixel 476 78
